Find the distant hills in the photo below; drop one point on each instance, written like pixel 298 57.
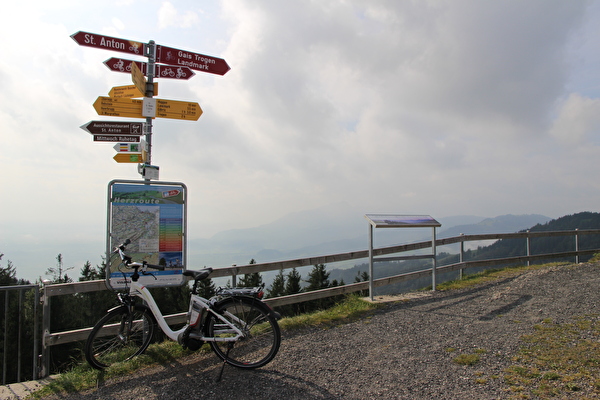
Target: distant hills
pixel 336 228
pixel 502 224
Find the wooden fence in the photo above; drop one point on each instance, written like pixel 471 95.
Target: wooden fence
pixel 54 338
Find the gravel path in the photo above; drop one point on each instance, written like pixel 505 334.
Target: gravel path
pixel 399 351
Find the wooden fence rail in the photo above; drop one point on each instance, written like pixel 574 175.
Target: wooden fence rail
pixel 49 291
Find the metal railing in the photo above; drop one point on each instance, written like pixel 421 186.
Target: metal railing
pixel 55 338
pixel 14 327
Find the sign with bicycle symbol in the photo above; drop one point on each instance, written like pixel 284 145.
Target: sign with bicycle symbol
pixel 161 71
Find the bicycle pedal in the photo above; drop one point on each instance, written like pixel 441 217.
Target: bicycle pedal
pixel 193 344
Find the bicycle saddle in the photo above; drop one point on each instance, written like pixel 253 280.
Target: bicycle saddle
pixel 198 275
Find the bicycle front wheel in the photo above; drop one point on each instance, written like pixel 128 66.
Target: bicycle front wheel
pixel 119 336
pixel 261 339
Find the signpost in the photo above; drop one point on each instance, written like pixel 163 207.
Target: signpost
pixel 176 109
pixel 118 107
pixel 163 219
pixel 130 147
pixel 108 43
pixel 129 91
pixel 116 138
pixel 195 61
pixel 161 71
pixel 132 108
pixel 114 127
pixel 129 157
pixel 138 79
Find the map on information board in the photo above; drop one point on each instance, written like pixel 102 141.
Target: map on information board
pixel 152 217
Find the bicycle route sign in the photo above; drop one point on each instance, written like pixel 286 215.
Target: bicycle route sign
pixel 195 61
pixel 161 71
pixel 108 43
pixel 164 54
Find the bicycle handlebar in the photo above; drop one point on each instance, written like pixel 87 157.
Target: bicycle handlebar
pixel 122 246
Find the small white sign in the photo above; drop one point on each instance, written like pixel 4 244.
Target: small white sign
pixel 148 171
pixel 149 107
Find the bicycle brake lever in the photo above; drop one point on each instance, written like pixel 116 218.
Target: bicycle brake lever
pixel 145 271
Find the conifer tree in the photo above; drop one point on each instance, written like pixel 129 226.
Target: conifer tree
pixel 251 280
pixel 206 288
pixel 318 278
pixel 8 274
pixel 277 286
pixel 292 286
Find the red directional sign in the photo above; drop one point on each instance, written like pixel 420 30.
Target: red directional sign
pixel 195 61
pixel 161 71
pixel 108 43
pixel 114 128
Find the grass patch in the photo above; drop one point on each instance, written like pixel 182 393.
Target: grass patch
pixel 558 360
pixel 83 377
pixel 490 275
pixel 350 309
pixel 466 359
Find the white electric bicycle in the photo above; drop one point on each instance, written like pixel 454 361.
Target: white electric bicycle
pixel 241 329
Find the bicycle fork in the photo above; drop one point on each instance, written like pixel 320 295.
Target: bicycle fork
pixel 126 325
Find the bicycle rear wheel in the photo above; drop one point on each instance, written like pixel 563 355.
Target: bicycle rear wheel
pixel 120 336
pixel 262 336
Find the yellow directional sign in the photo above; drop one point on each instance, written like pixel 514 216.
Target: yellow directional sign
pixel 132 108
pixel 139 80
pixel 130 157
pixel 178 109
pixel 118 107
pixel 129 91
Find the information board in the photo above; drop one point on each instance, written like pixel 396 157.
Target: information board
pixel 152 215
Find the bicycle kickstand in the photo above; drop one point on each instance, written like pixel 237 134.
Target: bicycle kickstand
pixel 229 347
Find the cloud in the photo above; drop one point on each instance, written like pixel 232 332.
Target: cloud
pixel 578 121
pixel 169 16
pixel 346 99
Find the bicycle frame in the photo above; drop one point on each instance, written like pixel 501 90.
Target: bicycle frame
pixel 136 289
pixel 139 290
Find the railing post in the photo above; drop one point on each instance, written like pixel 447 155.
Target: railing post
pixel 461 258
pixel 528 248
pixel 233 276
pixel 371 292
pixel 20 330
pixel 45 360
pixel 434 254
pixel 577 245
pixel 36 326
pixel 5 336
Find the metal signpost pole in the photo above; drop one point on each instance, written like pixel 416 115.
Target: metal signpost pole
pixel 151 54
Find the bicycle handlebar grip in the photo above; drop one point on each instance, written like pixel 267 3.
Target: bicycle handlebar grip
pixel 158 267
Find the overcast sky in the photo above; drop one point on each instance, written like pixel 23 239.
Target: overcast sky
pixel 414 107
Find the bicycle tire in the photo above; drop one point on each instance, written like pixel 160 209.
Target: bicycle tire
pixel 262 336
pixel 109 342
